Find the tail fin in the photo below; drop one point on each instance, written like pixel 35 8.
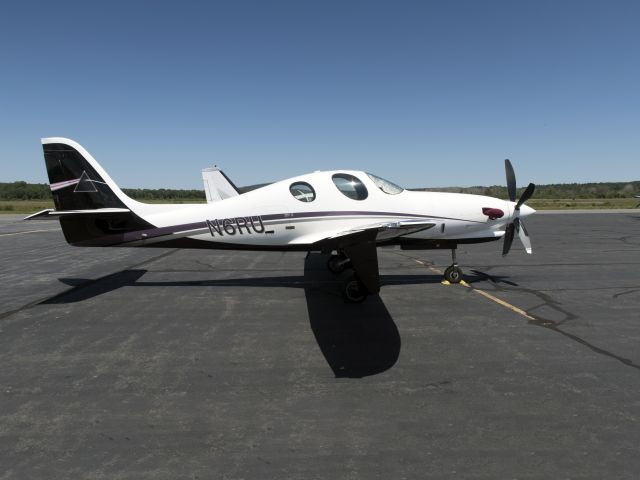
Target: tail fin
pixel 83 190
pixel 217 185
pixel 77 181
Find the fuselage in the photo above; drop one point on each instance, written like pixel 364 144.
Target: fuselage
pixel 279 215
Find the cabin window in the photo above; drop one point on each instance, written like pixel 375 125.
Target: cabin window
pixel 385 185
pixel 302 191
pixel 350 186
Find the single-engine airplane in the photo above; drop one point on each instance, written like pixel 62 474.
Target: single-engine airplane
pixel 344 213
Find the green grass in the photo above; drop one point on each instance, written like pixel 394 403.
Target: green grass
pixel 31 206
pixel 582 203
pixel 24 206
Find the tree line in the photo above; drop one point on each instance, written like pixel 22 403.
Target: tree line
pixel 556 190
pixel 40 191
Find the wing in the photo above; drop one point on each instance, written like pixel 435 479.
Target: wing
pixel 360 246
pixel 386 230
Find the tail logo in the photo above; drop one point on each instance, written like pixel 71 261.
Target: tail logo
pixel 83 184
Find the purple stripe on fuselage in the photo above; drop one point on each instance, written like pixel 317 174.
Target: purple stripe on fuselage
pixel 173 229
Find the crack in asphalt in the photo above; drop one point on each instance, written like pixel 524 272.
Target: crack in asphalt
pixel 546 301
pixel 554 325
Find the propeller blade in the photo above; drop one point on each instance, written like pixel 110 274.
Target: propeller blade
pixel 523 235
pixel 508 238
pixel 526 195
pixel 511 180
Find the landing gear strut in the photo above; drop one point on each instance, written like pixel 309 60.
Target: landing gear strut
pixel 453 274
pixel 337 263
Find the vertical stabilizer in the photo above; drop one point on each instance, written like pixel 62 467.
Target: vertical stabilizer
pixel 217 185
pixel 91 207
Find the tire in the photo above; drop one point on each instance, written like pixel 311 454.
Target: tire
pixel 354 291
pixel 453 274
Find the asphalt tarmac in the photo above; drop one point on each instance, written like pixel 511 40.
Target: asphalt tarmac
pixel 153 364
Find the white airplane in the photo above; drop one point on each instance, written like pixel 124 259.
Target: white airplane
pixel 344 213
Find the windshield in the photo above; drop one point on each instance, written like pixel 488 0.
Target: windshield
pixel 385 185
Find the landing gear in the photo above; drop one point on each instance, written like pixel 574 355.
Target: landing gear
pixel 357 263
pixel 337 263
pixel 354 290
pixel 453 274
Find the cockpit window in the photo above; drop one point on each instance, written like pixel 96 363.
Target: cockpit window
pixel 350 186
pixel 302 191
pixel 385 185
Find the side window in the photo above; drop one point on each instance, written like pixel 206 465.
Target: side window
pixel 350 186
pixel 302 191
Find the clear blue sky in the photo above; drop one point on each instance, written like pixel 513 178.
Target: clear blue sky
pixel 425 93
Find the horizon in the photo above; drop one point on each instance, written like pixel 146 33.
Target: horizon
pixel 520 187
pixel 421 93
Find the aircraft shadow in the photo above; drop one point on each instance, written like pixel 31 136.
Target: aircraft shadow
pixel 357 340
pixel 315 277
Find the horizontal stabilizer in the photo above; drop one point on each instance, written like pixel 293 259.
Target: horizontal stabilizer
pixel 51 213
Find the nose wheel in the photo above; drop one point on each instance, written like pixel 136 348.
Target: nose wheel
pixel 453 274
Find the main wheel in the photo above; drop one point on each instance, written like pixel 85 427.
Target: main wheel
pixel 337 263
pixel 453 274
pixel 354 291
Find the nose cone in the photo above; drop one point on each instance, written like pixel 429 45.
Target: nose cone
pixel 525 211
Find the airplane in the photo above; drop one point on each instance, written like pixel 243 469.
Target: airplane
pixel 345 214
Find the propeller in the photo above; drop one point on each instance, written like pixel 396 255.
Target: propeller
pixel 516 224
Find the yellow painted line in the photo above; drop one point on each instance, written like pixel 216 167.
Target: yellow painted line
pixel 504 304
pixel 499 301
pixel 30 231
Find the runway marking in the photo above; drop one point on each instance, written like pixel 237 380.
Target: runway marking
pixel 485 294
pixel 501 302
pixel 29 231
